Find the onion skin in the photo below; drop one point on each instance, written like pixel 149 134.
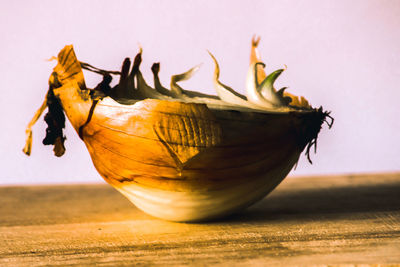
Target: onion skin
pixel 179 160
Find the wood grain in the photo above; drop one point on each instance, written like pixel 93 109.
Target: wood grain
pixel 305 221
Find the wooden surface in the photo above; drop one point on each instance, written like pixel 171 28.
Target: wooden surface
pixel 320 220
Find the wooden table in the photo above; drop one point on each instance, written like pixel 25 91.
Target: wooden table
pixel 318 220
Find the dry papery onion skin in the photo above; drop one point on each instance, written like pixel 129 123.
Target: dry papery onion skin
pixel 176 154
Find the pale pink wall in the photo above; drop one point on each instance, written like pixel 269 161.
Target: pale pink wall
pixel 343 55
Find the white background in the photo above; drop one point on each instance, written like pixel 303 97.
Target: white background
pixel 342 55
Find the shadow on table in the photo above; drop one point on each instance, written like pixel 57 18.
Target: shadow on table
pixel 334 202
pixel 296 200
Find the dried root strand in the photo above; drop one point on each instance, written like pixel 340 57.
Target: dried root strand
pixel 328 115
pixel 314 141
pixel 91 68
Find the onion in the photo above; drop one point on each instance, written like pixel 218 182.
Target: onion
pixel 182 155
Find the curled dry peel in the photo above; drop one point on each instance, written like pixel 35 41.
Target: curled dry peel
pixel 182 155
